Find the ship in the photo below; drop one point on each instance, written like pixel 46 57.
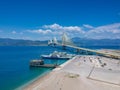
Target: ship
pixel 58 55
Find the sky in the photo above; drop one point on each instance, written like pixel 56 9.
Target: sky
pixel 44 19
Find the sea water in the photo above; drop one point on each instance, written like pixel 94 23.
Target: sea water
pixel 14 64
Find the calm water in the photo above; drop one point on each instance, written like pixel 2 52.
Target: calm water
pixel 14 64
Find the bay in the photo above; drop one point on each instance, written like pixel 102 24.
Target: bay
pixel 14 63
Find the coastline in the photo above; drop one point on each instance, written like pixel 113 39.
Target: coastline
pixel 76 72
pixel 33 80
pixel 16 74
pixel 42 77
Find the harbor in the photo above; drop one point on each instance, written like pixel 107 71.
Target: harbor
pixel 97 72
pixel 53 56
pixel 100 71
pixel 60 45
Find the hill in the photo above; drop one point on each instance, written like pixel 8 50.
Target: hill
pixel 96 42
pixel 78 41
pixel 20 42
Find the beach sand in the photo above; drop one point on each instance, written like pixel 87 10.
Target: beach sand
pixel 81 73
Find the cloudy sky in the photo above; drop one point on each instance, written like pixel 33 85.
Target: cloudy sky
pixel 44 19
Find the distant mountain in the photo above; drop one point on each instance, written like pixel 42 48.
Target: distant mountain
pixel 20 42
pixel 96 42
pixel 78 41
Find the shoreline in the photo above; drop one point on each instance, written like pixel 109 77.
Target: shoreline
pixel 33 80
pixel 30 73
pixel 42 77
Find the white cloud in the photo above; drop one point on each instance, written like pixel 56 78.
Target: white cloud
pixel 13 32
pixel 67 29
pixel 56 30
pixel 53 26
pixel 40 31
pixel 113 28
pixel 108 31
pixel 21 33
pixel 101 32
pixel 73 29
pixel 88 26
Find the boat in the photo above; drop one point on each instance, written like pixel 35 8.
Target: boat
pixel 40 63
pixel 58 55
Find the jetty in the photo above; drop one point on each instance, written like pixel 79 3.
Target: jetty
pixel 40 63
pixel 45 65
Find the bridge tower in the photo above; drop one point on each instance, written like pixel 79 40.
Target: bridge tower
pixel 64 41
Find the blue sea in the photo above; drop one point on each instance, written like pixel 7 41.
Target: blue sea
pixel 14 64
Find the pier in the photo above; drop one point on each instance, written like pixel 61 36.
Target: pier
pixel 45 65
pixel 40 63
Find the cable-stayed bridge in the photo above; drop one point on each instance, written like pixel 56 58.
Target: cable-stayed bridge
pixel 67 42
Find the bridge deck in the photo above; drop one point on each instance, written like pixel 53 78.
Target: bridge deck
pixel 90 50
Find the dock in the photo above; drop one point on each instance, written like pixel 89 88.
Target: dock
pixel 40 63
pixel 45 65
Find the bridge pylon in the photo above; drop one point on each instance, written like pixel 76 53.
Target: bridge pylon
pixel 64 41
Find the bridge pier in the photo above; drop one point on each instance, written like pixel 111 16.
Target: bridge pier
pixel 77 50
pixel 63 47
pixel 86 52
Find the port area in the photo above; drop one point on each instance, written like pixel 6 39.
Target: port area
pixel 86 72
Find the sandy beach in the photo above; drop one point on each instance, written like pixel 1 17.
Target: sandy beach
pixel 81 73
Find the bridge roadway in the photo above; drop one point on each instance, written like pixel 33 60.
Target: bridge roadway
pixel 90 50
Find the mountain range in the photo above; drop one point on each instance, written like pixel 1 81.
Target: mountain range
pixel 96 42
pixel 20 42
pixel 78 41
